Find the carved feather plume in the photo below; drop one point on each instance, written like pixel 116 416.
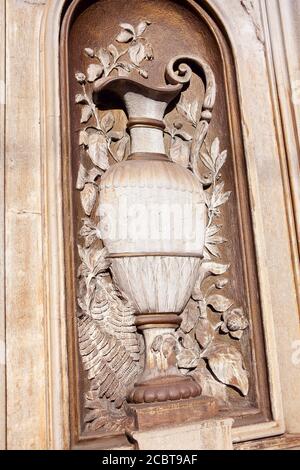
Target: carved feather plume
pixel 108 342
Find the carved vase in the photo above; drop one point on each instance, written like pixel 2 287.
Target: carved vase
pixel 152 221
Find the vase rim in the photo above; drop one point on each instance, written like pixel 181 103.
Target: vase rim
pixel 122 85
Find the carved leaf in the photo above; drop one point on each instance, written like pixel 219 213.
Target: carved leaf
pixel 221 160
pixel 219 303
pixel 89 52
pixel 212 230
pixel 215 149
pixel 108 121
pixel 88 197
pixel 221 283
pixel 207 269
pixel 94 173
pixel 211 267
pixel 218 197
pixel 116 135
pixel 83 138
pixel 104 56
pixel 141 27
pixel 128 27
pixel 98 150
pixel 211 248
pixel 82 177
pixel 180 152
pixel 86 114
pixel 189 351
pixel 204 332
pixel 127 33
pixel 197 293
pixel 187 359
pixel 184 135
pixel 211 237
pixel 149 51
pixel 207 161
pixel 89 232
pixel 137 53
pixel 94 71
pixel 85 176
pixel 94 261
pixel 80 99
pixel 114 51
pixel 124 36
pixel 210 386
pixel 226 362
pixel 143 73
pixel 121 148
pixel 185 109
pixel 187 342
pixel 189 317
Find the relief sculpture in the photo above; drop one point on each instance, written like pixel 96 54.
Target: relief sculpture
pixel 153 323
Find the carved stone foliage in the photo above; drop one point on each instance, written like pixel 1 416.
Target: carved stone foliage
pixel 209 315
pixel 108 342
pixel 206 346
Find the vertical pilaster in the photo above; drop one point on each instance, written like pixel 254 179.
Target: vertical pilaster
pixel 2 231
pixel 25 325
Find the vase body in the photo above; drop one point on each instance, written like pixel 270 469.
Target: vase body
pixel 158 211
pixel 152 222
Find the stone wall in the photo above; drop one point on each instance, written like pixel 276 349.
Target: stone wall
pixel 33 362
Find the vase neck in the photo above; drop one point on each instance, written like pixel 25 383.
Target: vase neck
pixel 146 135
pixel 145 123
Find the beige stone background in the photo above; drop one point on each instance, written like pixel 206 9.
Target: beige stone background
pixel 33 372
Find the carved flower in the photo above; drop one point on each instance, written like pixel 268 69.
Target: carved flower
pixel 80 77
pixel 234 323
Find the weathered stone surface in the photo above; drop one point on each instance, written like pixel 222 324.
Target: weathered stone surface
pixel 206 435
pixel 25 322
pixel 273 210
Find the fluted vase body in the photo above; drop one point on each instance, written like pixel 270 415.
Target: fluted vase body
pixel 152 210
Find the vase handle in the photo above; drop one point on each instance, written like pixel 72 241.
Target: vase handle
pixel 178 71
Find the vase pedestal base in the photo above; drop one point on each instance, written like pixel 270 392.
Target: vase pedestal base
pixel 162 389
pixel 172 413
pixel 212 434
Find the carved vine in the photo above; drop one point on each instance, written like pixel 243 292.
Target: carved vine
pixel 109 345
pixel 209 314
pixel 108 341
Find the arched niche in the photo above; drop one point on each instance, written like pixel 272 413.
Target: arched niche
pixel 173 23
